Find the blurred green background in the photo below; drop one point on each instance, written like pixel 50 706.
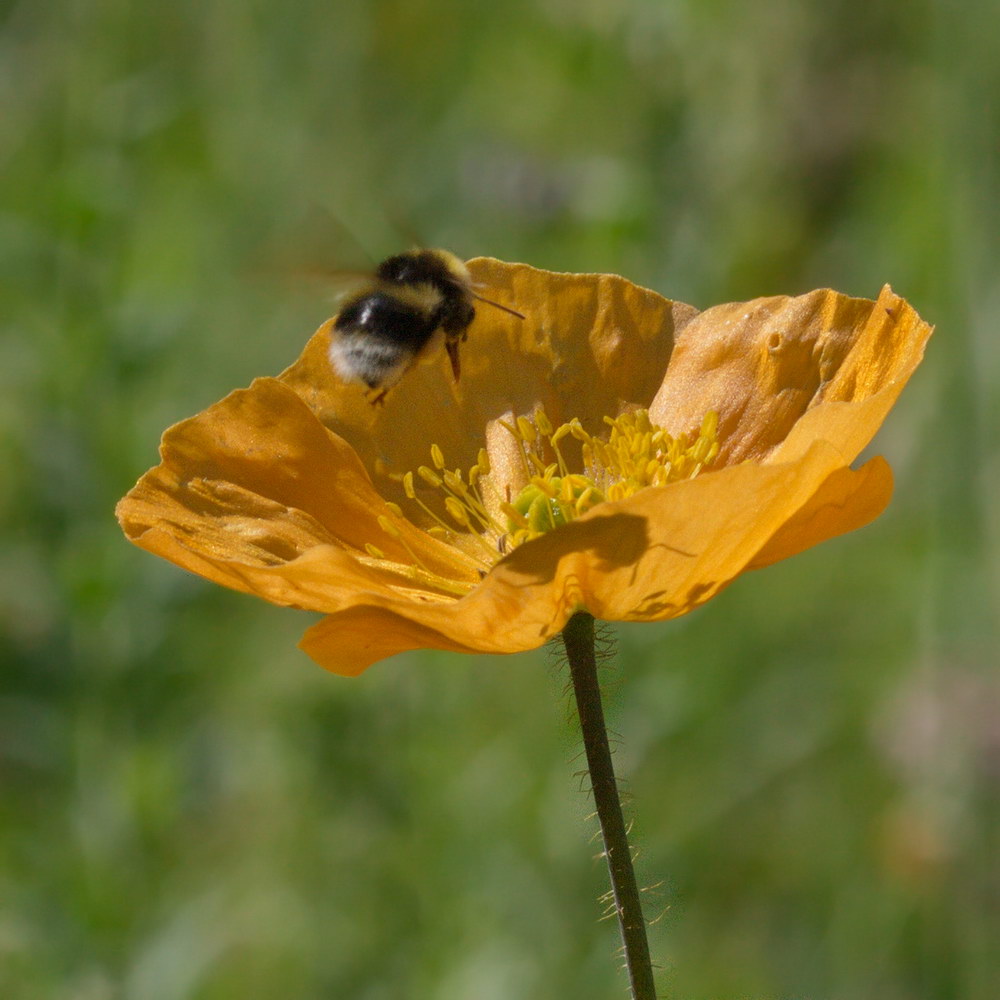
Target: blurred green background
pixel 189 808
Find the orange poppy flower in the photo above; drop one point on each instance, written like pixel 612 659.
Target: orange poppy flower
pixel 613 452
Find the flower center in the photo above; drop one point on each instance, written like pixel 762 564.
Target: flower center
pixel 637 454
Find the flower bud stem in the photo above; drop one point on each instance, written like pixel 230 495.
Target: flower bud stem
pixel 578 637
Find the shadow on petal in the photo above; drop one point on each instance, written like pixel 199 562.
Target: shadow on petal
pixel 614 541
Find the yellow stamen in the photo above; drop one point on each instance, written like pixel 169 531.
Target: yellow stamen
pixel 429 477
pixel 457 511
pixel 453 482
pixel 423 578
pixel 393 532
pixel 632 455
pixel 537 463
pixel 514 515
pixel 529 433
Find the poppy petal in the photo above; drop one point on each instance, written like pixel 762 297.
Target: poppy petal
pixel 763 365
pixel 255 482
pixel 656 555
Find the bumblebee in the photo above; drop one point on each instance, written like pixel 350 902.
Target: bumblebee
pixel 382 330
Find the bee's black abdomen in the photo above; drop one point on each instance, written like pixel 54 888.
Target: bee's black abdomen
pixel 385 318
pixel 377 337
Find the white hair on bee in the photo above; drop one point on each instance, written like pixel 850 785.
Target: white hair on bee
pixel 382 362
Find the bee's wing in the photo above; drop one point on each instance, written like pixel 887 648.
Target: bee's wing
pixel 316 247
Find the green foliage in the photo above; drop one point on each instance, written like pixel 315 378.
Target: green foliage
pixel 191 809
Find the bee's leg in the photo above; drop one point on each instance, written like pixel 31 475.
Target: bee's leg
pixel 451 346
pixel 378 399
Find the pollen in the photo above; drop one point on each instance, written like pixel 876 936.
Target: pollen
pixel 566 473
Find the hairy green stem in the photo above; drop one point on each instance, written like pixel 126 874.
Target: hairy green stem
pixel 578 637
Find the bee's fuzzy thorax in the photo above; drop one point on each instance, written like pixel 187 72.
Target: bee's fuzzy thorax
pixel 423 296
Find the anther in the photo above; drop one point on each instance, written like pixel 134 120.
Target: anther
pixel 528 433
pixel 388 527
pixel 457 511
pixel 542 423
pixel 429 477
